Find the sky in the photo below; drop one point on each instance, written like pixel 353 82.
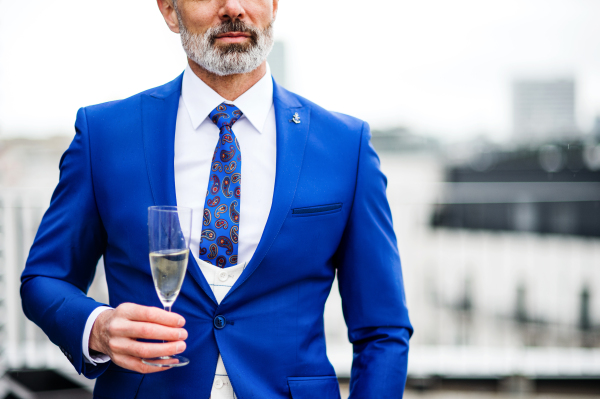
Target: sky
pixel 438 67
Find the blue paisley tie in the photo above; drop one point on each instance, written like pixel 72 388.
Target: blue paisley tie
pixel 221 218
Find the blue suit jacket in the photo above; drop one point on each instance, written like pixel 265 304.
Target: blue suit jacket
pixel 329 213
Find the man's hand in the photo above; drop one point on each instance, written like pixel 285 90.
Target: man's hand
pixel 115 332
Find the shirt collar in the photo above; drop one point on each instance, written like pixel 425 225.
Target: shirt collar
pixel 200 99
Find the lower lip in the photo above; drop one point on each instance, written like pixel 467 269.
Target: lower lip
pixel 232 39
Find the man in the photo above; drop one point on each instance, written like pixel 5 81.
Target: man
pixel 313 203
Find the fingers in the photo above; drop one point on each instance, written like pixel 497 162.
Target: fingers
pixel 145 350
pixel 135 312
pixel 138 321
pixel 116 333
pixel 136 329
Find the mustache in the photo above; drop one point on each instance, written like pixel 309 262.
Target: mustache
pixel 233 26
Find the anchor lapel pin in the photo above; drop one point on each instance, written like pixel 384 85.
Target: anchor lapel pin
pixel 295 118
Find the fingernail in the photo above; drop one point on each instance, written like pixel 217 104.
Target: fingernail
pixel 180 322
pixel 179 348
pixel 180 335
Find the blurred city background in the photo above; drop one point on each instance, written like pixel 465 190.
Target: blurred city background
pixel 486 116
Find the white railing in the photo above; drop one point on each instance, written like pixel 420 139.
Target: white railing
pixel 23 343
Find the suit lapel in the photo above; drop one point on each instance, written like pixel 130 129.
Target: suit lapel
pixel 159 118
pixel 291 141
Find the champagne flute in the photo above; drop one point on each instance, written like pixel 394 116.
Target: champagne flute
pixel 169 230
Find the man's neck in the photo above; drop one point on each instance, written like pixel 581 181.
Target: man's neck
pixel 232 86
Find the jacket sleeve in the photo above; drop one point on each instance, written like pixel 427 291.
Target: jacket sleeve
pixel 62 260
pixel 371 286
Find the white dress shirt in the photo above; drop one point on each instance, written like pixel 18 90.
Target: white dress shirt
pixel 195 141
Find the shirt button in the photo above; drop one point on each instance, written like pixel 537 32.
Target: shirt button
pixel 219 322
pixel 223 275
pixel 218 383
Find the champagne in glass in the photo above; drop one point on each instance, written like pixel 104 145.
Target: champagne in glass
pixel 169 230
pixel 168 270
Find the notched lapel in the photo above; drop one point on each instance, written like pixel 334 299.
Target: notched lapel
pixel 159 116
pixel 291 142
pixel 159 119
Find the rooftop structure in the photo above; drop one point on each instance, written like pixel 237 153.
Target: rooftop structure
pixel 544 110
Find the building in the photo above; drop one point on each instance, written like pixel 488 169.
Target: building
pixel 277 63
pixel 596 129
pixel 544 110
pixel 551 189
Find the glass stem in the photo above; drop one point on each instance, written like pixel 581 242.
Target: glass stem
pixel 168 309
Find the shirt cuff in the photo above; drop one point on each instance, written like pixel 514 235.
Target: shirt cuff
pixel 100 358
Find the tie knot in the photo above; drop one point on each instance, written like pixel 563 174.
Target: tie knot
pixel 225 115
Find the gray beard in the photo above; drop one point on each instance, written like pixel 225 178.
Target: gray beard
pixel 226 60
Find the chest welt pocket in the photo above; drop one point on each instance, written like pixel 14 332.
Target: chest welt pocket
pixel 314 387
pixel 316 210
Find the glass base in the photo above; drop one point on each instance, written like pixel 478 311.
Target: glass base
pixel 166 361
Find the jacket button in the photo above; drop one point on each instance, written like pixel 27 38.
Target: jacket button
pixel 219 322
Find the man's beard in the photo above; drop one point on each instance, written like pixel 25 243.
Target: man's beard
pixel 229 59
